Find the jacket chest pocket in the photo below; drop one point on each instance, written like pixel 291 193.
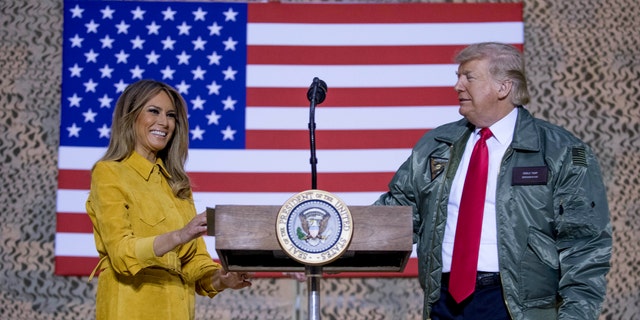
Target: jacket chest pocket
pixel 153 209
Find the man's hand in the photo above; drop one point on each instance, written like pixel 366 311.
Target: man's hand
pixel 234 280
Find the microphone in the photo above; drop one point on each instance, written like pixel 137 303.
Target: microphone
pixel 317 91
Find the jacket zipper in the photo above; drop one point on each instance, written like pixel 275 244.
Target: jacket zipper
pixel 437 216
pixel 507 155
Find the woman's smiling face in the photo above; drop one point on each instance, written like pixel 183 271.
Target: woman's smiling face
pixel 155 125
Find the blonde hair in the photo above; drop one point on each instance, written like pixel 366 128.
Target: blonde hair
pixel 505 63
pixel 123 138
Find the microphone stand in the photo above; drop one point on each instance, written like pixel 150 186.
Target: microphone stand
pixel 316 95
pixel 312 134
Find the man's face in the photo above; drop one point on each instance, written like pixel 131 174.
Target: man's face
pixel 478 93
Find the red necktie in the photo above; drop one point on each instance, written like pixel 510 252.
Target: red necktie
pixel 466 246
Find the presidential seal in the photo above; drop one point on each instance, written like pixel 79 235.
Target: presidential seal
pixel 314 227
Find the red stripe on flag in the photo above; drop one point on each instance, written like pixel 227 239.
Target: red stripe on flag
pixel 289 182
pixel 383 13
pixel 75 266
pixel 334 139
pixel 265 182
pixel 82 266
pixel 358 55
pixel 74 179
pixel 353 97
pixel 73 222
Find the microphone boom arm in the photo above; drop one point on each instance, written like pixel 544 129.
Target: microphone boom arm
pixel 316 95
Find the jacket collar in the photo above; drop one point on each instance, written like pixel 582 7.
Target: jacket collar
pixel 525 136
pixel 143 167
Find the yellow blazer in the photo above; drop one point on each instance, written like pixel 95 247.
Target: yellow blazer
pixel 129 204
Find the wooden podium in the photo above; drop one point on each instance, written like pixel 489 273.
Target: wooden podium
pixel 246 240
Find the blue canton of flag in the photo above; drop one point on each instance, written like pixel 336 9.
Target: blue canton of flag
pixel 200 49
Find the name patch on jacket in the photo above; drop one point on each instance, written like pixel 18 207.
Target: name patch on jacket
pixel 527 176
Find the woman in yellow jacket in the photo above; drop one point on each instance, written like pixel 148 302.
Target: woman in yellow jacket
pixel 152 256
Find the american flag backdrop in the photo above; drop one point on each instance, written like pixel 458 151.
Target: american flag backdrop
pixel 244 70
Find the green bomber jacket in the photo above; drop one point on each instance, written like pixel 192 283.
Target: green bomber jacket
pixel 554 235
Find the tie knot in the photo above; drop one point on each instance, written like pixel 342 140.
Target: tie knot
pixel 485 133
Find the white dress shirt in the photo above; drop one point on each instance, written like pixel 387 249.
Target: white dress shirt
pixel 497 146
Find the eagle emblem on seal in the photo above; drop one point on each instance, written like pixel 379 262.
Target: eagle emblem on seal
pixel 314 227
pixel 314 224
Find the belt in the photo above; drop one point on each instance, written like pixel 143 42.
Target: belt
pixel 483 279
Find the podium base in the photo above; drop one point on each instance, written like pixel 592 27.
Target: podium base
pixel 314 275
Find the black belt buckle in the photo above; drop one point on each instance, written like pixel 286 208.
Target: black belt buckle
pixel 487 279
